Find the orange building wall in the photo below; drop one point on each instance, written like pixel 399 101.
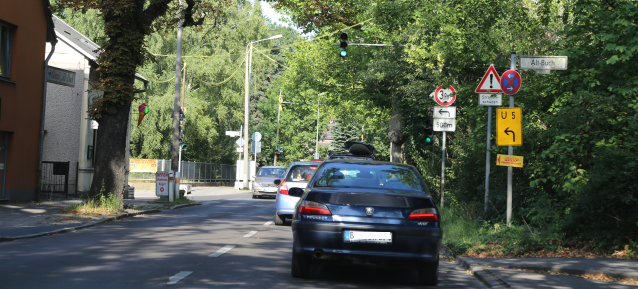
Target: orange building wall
pixel 22 100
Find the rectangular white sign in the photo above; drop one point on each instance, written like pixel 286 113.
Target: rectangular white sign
pixel 444 124
pixel 61 76
pixel 232 133
pixel 161 184
pixel 239 150
pixel 490 99
pixel 543 62
pixel 444 112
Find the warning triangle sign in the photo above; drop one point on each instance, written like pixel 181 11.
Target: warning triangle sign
pixel 491 82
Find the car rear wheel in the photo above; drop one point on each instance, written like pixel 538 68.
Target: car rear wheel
pixel 300 267
pixel 429 273
pixel 254 197
pixel 279 220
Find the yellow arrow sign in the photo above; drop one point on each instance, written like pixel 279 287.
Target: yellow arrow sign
pixel 509 126
pixel 509 161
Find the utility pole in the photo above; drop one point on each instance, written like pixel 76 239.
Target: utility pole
pixel 176 100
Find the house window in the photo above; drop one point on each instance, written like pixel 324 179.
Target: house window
pixel 6 32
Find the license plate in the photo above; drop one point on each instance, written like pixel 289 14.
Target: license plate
pixel 350 236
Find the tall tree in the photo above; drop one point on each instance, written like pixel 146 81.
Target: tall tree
pixel 127 23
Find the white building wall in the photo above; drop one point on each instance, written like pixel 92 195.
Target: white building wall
pixel 64 111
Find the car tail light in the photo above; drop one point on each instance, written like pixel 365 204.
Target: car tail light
pixel 428 214
pixel 283 188
pixel 313 208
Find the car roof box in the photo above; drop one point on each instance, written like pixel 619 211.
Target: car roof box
pixel 359 148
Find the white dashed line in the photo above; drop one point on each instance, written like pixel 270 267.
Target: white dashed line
pixel 268 223
pixel 178 276
pixel 222 251
pixel 250 234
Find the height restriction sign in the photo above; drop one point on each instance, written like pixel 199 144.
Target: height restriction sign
pixel 509 127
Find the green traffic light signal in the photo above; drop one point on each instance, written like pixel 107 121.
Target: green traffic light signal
pixel 428 140
pixel 343 50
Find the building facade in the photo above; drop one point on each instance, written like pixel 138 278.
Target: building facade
pixel 25 27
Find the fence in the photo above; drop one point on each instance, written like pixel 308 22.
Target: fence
pixel 191 172
pixel 55 179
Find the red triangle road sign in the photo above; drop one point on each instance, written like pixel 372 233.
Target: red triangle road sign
pixel 491 82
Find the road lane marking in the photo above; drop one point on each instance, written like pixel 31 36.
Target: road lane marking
pixel 222 251
pixel 178 276
pixel 250 234
pixel 268 223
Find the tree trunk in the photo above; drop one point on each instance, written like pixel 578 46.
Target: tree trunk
pixel 110 163
pixel 397 138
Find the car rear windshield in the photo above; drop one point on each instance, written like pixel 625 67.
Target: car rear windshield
pixel 369 175
pixel 271 172
pixel 301 173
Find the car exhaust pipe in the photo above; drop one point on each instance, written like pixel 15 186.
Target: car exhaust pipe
pixel 317 253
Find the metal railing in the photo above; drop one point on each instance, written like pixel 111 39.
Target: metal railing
pixel 191 172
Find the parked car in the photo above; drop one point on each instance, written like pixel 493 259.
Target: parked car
pixel 366 211
pixel 356 151
pixel 264 181
pixel 297 176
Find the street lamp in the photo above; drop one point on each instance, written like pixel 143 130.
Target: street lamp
pixel 249 61
pixel 317 140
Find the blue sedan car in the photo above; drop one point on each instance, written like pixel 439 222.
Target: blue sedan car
pixel 366 211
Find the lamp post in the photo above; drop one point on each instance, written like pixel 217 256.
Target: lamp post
pixel 317 139
pixel 249 59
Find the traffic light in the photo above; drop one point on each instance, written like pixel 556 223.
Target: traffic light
pixel 181 124
pixel 143 111
pixel 343 48
pixel 278 150
pixel 428 133
pixel 184 146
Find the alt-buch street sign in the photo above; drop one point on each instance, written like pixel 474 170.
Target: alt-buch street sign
pixel 490 83
pixel 444 124
pixel 543 62
pixel 240 142
pixel 486 99
pixel 444 112
pixel 445 96
pixel 511 82
pixel 509 127
pixel 509 161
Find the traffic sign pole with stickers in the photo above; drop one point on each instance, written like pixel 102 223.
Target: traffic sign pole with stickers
pixel 444 121
pixel 511 82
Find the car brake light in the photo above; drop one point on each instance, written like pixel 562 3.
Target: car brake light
pixel 283 189
pixel 313 208
pixel 428 214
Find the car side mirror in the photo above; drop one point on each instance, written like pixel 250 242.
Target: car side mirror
pixel 295 192
pixel 277 182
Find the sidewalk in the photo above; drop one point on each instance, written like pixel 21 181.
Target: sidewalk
pixel 491 271
pixel 28 220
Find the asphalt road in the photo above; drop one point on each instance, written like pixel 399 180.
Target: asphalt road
pixel 228 242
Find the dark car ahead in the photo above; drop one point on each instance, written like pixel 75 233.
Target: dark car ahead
pixel 366 211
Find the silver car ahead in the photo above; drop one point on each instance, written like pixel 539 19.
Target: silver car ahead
pixel 297 176
pixel 264 184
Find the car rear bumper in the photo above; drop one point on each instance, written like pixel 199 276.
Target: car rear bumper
pixel 265 192
pixel 408 244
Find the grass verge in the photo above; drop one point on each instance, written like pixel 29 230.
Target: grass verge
pixel 466 234
pixel 167 205
pixel 102 206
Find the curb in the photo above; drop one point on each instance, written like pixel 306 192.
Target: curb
pixel 485 276
pixel 73 229
pixel 561 269
pixel 185 205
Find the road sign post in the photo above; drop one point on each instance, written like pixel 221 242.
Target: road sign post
pixel 510 79
pixel 444 121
